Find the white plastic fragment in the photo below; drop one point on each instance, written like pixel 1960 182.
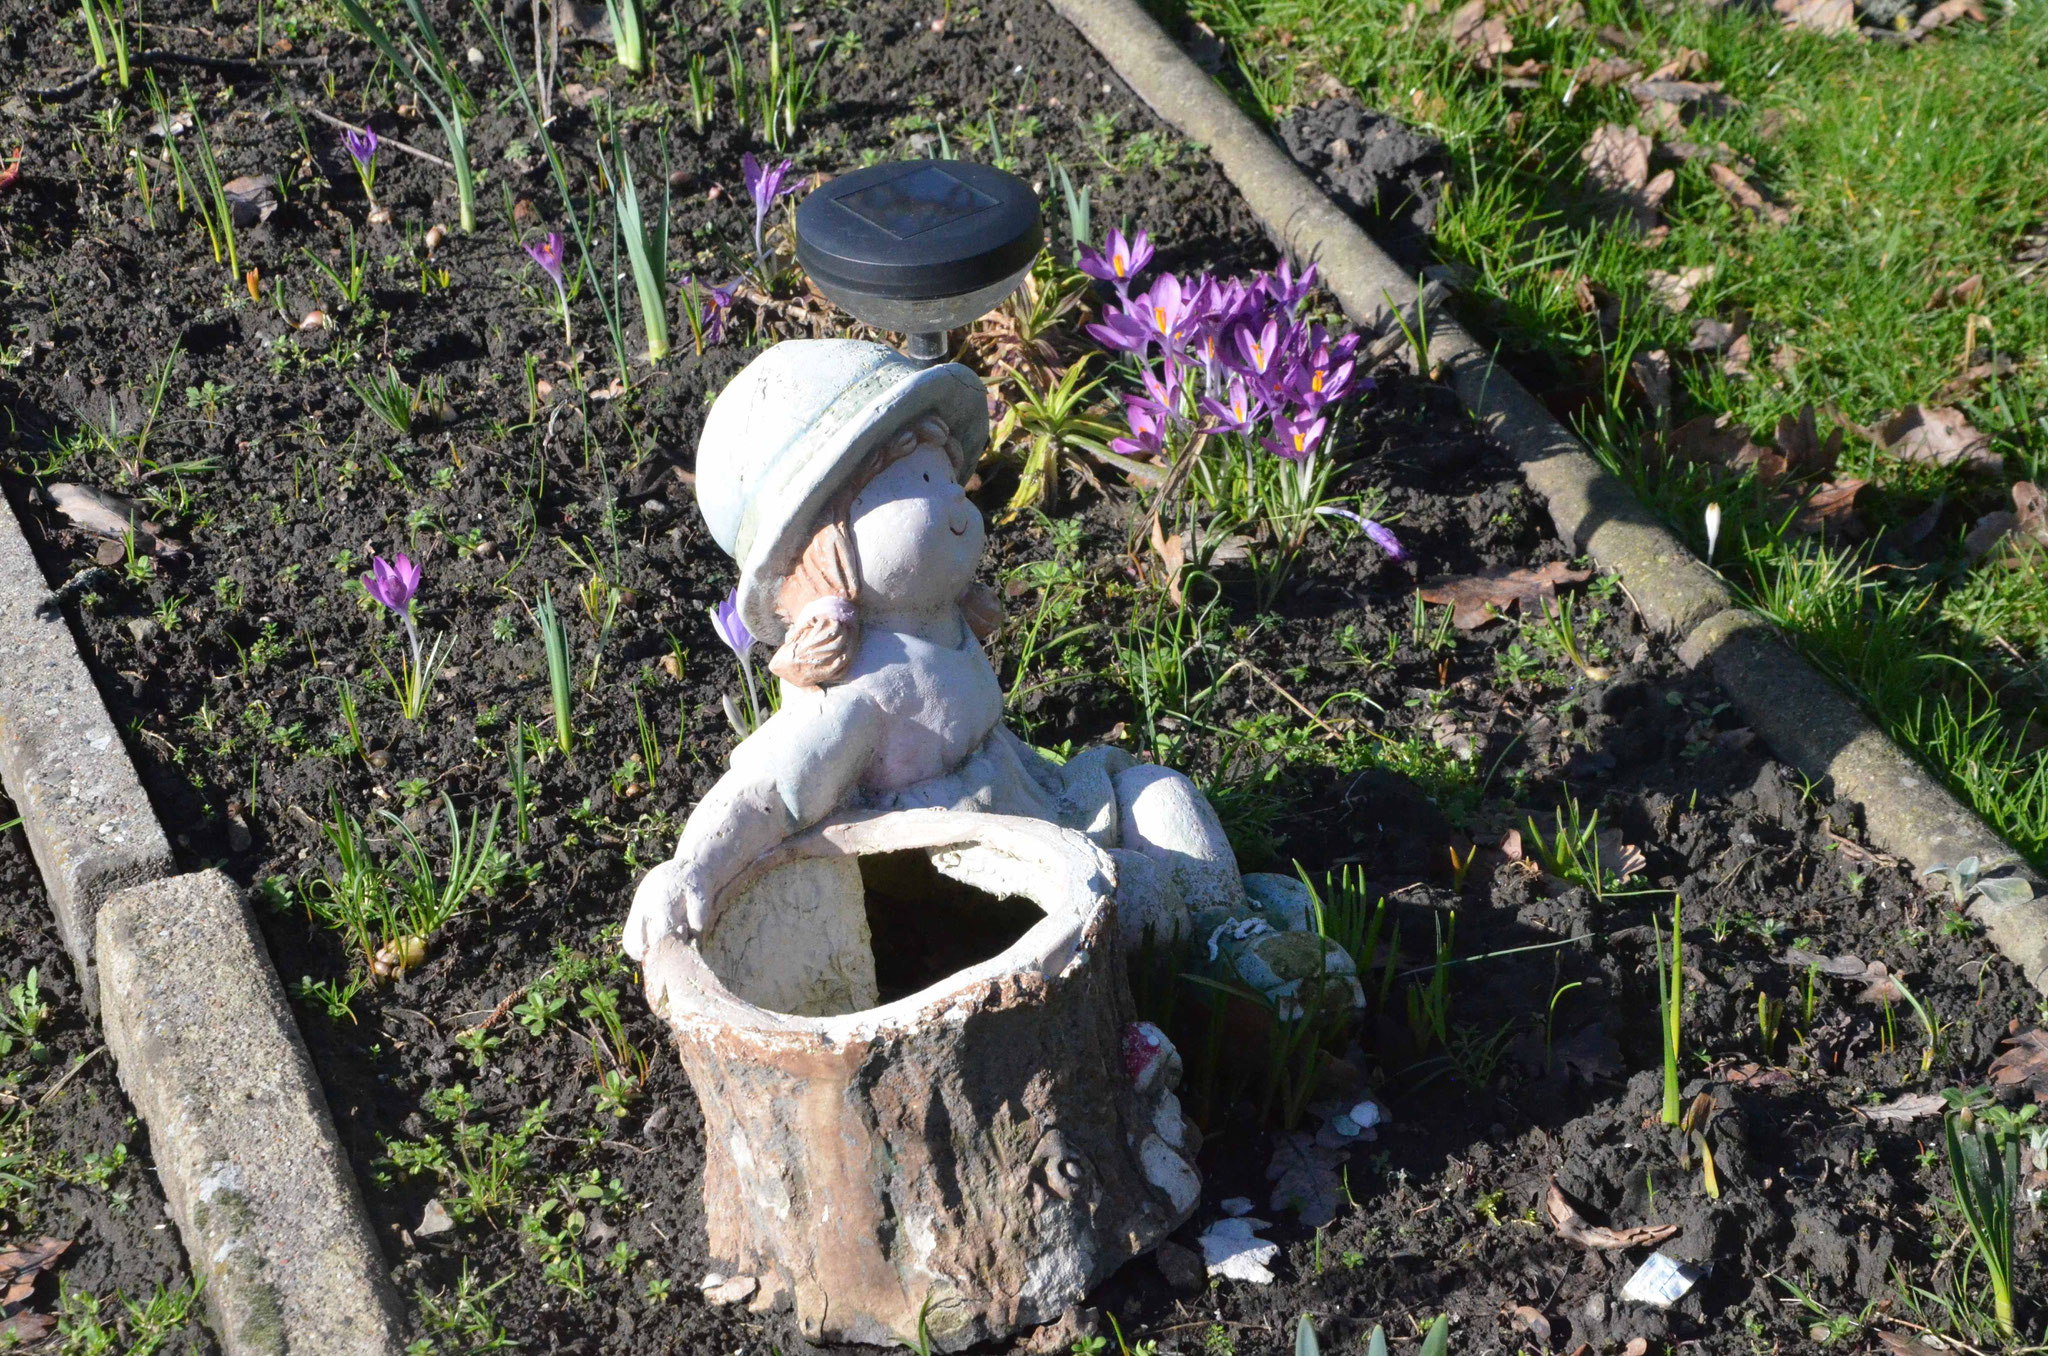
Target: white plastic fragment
pixel 1367 1114
pixel 1661 1281
pixel 1234 1251
pixel 1237 1205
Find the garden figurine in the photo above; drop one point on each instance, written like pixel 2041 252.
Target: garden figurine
pixel 833 472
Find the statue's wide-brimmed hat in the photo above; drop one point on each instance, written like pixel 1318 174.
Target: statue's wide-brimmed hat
pixel 789 431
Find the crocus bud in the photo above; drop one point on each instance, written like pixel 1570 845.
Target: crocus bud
pixel 1713 529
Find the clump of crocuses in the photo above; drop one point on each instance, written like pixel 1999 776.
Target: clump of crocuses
pixel 393 583
pixel 1233 363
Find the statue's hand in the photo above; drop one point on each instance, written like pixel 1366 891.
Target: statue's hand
pixel 664 903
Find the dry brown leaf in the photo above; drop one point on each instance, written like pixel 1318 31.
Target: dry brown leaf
pixel 1744 195
pixel 1511 845
pixel 1652 373
pixel 1830 510
pixel 1712 439
pixel 1946 13
pixel 1572 1225
pixel 2025 529
pixel 1683 93
pixel 1939 436
pixel 1617 158
pixel 19 1268
pixel 1621 860
pixel 1590 1053
pixel 1906 1344
pixel 1878 984
pixel 1683 62
pixel 1800 444
pixel 1711 335
pixel 1674 291
pixel 1484 36
pixel 1819 16
pixel 1964 293
pixel 1784 358
pixel 1476 599
pixel 1529 1319
pixel 1912 1107
pixel 1735 362
pixel 2024 1063
pixel 1608 71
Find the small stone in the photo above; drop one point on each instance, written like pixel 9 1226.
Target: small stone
pixel 434 1220
pixel 142 628
pixel 1180 1266
pixel 731 1290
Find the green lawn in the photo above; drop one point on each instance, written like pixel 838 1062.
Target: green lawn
pixel 1905 169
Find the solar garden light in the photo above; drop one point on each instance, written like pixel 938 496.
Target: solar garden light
pixel 919 247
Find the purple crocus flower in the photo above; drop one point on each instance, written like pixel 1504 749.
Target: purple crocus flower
pixel 1382 535
pixel 1258 347
pixel 393 583
pixel 1119 260
pixel 1148 428
pixel 1164 386
pixel 721 307
pixel 1284 288
pixel 1162 309
pixel 362 145
pixel 764 186
pixel 731 627
pixel 1119 332
pixel 1238 412
pixel 549 254
pixel 1295 436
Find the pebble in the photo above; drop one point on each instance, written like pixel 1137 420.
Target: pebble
pixel 434 1220
pixel 730 1290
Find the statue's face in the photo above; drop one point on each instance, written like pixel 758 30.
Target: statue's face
pixel 918 535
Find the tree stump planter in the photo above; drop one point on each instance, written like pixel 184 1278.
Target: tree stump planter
pixel 924 1094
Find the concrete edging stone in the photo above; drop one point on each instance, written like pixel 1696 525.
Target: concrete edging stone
pixel 88 820
pixel 1806 719
pixel 203 1041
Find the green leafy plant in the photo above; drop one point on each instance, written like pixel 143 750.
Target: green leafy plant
pixel 555 640
pixel 1984 1167
pixel 646 247
pixel 1670 1001
pixel 22 1018
pixel 391 398
pixel 423 63
pixel 632 39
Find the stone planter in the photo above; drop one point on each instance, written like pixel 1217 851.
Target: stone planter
pixel 924 1095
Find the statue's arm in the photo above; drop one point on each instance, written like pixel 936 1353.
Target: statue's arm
pixel 802 765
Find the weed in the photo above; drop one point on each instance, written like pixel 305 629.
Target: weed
pixel 1670 1003
pixel 22 1018
pixel 1984 1167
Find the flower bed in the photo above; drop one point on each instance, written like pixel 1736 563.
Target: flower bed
pixel 443 889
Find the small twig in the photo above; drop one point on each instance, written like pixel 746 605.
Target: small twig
pixel 70 1074
pixel 394 142
pixel 1274 683
pixel 504 1006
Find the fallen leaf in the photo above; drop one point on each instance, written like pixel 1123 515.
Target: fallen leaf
pixel 1714 440
pixel 105 514
pixel 251 198
pixel 25 1330
pixel 1735 362
pixel 19 1268
pixel 1744 195
pixel 1608 71
pixel 1476 599
pixel 1946 13
pixel 2024 1063
pixel 1305 1180
pixel 1618 163
pixel 1674 291
pixel 1879 986
pixel 1619 860
pixel 1713 336
pixel 1906 1344
pixel 1939 437
pixel 1683 62
pixel 1530 1319
pixel 1652 373
pixel 1757 1076
pixel 1784 358
pixel 1819 16
pixel 1799 443
pixel 1484 36
pixel 1572 1225
pixel 1511 845
pixel 1912 1107
pixel 1963 293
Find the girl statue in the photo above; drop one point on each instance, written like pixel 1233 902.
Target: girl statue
pixel 832 472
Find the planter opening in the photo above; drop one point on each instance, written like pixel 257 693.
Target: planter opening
pixel 924 927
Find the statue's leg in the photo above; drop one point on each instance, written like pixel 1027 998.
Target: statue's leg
pixel 1161 814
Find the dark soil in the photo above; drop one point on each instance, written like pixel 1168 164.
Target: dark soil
pixel 225 667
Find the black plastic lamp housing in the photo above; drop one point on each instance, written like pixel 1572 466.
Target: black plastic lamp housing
pixel 919 247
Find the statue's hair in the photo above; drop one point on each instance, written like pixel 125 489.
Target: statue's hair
pixel 820 600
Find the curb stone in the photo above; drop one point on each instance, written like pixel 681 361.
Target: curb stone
pixel 87 817
pixel 1806 719
pixel 207 1051
pixel 192 1011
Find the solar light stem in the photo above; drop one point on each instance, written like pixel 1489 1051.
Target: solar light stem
pixel 928 346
